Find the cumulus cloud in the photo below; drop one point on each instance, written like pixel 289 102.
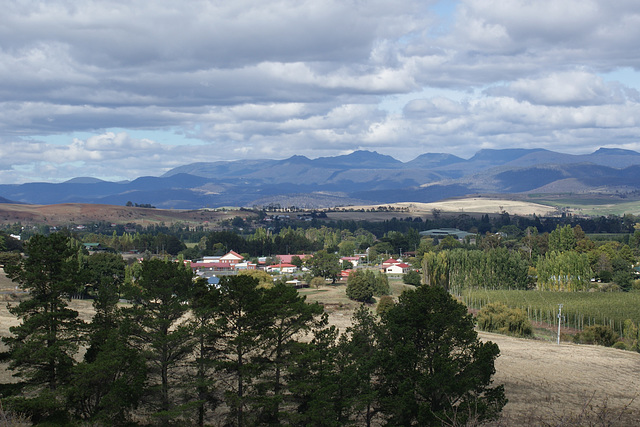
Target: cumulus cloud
pixel 572 88
pixel 249 79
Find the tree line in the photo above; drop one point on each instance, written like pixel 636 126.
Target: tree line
pixel 257 238
pixel 182 352
pixel 564 260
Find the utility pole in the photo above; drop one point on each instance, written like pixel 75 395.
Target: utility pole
pixel 559 321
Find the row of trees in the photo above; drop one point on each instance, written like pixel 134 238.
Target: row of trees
pixel 183 352
pixel 565 259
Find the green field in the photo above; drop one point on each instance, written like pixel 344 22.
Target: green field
pixel 591 206
pixel 579 309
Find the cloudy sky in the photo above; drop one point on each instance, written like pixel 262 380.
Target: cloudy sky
pixel 121 89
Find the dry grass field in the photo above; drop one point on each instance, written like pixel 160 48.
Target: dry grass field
pixel 81 213
pixel 546 384
pixel 469 205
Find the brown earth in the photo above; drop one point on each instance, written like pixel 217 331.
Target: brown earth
pixel 81 213
pixel 546 384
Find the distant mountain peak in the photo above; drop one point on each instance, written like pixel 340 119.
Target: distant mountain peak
pixel 84 180
pixel 503 155
pixel 361 159
pixel 616 152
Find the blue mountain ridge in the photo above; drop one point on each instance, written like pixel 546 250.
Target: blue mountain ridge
pixel 362 175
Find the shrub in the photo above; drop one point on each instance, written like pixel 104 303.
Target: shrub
pixel 412 278
pixel 317 281
pixel 620 345
pixel 381 286
pixel 497 317
pixel 596 334
pixel 385 304
pixel 608 287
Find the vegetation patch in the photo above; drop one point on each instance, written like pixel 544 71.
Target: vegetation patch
pixel 497 317
pixel 579 309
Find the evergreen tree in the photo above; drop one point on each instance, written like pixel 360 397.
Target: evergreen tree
pixel 205 306
pixel 109 387
pixel 106 273
pixel 108 384
pixel 42 348
pixel 434 369
pixel 412 277
pixel 161 293
pixel 320 381
pixel 242 321
pixel 381 285
pixel 290 317
pixel 361 345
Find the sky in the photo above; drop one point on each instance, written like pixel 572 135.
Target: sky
pixel 117 89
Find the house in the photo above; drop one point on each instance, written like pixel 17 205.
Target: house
pixel 202 267
pixel 281 268
pixel 288 258
pixel 354 260
pixel 401 268
pixel 389 262
pixel 441 233
pixel 93 247
pixel 246 265
pixel 231 257
pixel 344 274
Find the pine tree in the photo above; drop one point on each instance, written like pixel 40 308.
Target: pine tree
pixel 242 321
pixel 108 384
pixel 291 317
pixel 361 344
pixel 321 382
pixel 161 293
pixel 43 346
pixel 207 330
pixel 433 367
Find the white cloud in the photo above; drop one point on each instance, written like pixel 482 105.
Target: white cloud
pixel 252 79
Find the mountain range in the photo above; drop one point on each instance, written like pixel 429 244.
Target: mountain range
pixel 362 177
